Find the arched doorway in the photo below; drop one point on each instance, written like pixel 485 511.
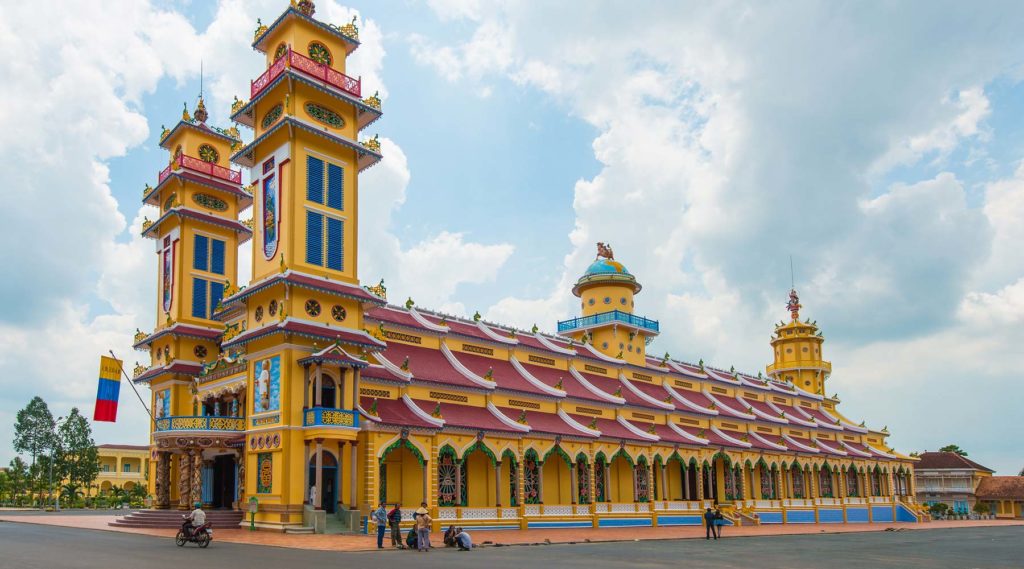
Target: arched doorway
pixel 710 478
pixel 225 481
pixel 557 478
pixel 478 463
pixel 621 483
pixel 328 392
pixel 674 478
pixel 329 493
pixel 401 475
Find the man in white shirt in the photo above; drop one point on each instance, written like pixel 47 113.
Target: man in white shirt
pixel 197 517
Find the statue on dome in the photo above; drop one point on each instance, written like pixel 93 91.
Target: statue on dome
pixel 605 251
pixel 793 306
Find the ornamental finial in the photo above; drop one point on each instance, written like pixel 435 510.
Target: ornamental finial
pixel 184 113
pixel 200 112
pixel 793 306
pixel 307 7
pixel 605 250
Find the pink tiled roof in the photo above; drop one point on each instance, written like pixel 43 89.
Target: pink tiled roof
pixel 794 414
pixel 736 435
pixel 502 373
pixel 668 435
pixel 946 460
pixel 609 386
pixel 609 428
pixel 695 397
pixel 546 422
pixel 530 341
pixel 426 364
pixel 465 416
pixel 760 406
pixel 730 408
pixel 803 441
pixel 395 412
pixel 380 372
pixel 184 368
pixel 343 335
pixel 551 377
pixel 394 316
pixel 830 447
pixel 715 440
pixel 819 415
pixel 655 392
pixel 456 327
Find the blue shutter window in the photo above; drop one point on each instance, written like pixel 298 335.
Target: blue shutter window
pixel 216 294
pixel 314 238
pixel 201 253
pixel 217 256
pixel 314 179
pixel 335 243
pixel 335 182
pixel 198 298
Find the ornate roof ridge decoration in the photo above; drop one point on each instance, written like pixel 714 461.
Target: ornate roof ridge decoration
pixel 422 321
pixel 378 290
pixel 719 405
pixel 590 431
pixel 176 367
pixel 542 338
pixel 213 183
pixel 392 368
pixel 307 328
pixel 592 388
pixel 828 447
pixel 721 375
pixel 780 418
pixel 334 353
pixel 521 427
pixel 495 336
pixel 533 380
pixel 678 366
pixel 730 439
pixel 803 420
pixel 685 434
pixel 201 127
pixel 304 280
pixel 644 435
pixel 148 230
pixel 263 32
pixel 767 442
pixel 596 354
pixel 789 440
pixel 361 150
pixel 657 403
pixel 179 329
pixel 687 403
pixel 855 451
pixel 436 421
pixel 482 382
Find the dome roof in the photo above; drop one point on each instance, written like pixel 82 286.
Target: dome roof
pixel 606 267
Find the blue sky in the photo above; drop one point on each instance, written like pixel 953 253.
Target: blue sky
pixel 880 146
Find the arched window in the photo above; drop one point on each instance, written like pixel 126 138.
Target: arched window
pixel 531 475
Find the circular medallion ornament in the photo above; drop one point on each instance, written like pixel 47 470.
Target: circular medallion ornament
pixel 199 351
pixel 324 115
pixel 259 314
pixel 280 51
pixel 338 312
pixel 209 154
pixel 259 442
pixel 312 308
pixel 607 300
pixel 277 440
pixel 252 443
pixel 319 53
pixel 272 308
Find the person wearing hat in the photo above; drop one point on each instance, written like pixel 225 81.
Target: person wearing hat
pixel 197 517
pixel 423 521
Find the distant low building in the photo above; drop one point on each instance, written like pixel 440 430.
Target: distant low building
pixel 949 478
pixel 1003 494
pixel 122 465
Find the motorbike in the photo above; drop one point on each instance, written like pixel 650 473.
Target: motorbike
pixel 200 536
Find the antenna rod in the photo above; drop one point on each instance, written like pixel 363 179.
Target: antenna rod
pixel 792 279
pixel 200 78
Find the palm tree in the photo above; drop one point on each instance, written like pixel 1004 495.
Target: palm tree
pixel 70 493
pixel 117 495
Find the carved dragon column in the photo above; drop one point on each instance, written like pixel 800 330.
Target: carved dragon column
pixel 163 480
pixel 184 478
pixel 196 489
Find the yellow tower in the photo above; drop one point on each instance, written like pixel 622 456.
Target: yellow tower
pixel 606 292
pixel 798 356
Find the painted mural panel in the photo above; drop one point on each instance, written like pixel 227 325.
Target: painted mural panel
pixel 162 408
pixel 264 473
pixel 268 384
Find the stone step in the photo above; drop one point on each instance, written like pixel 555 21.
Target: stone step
pixel 172 519
pixel 299 530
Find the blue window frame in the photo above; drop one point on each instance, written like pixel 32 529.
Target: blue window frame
pixel 217 256
pixel 314 180
pixel 314 238
pixel 335 244
pixel 206 295
pixel 335 187
pixel 201 253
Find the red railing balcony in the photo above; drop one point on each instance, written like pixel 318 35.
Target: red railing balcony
pixel 309 67
pixel 197 165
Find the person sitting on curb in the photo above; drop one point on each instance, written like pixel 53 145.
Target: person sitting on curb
pixel 449 536
pixel 463 540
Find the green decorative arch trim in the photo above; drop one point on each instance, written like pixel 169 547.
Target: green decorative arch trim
pixel 447 449
pixel 399 444
pixel 658 459
pixel 642 460
pixel 479 445
pixel 510 455
pixel 676 457
pixel 761 462
pixel 531 454
pixel 600 457
pixel 557 451
pixel 622 452
pixel 725 458
pixel 582 455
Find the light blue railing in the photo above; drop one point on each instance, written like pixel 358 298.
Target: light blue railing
pixel 192 423
pixel 328 417
pixel 608 318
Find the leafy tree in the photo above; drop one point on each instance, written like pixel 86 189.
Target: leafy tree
pixel 982 508
pixel 79 459
pixel 34 431
pixel 117 495
pixel 19 477
pixel 953 448
pixel 5 486
pixel 938 508
pixel 70 493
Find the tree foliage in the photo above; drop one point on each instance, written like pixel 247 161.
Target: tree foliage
pixel 78 459
pixel 34 429
pixel 953 448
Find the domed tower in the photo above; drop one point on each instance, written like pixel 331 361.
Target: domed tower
pixel 798 355
pixel 606 293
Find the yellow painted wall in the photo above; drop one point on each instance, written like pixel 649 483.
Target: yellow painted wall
pixel 405 477
pixel 621 480
pixel 299 34
pixel 480 482
pixel 557 481
pixel 603 298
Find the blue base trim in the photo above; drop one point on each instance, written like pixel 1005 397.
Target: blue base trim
pixel 881 514
pixel 857 515
pixel 485 528
pixel 903 514
pixel 624 522
pixel 800 516
pixel 532 525
pixel 770 517
pixel 830 516
pixel 680 520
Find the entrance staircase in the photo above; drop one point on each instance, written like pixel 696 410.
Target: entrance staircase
pixel 226 519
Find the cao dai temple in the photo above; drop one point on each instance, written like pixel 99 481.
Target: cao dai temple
pixel 305 379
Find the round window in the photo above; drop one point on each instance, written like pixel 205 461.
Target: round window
pixel 604 345
pixel 622 301
pixel 621 345
pixel 312 308
pixel 199 351
pixel 591 302
pixel 319 53
pixel 607 300
pixel 631 347
pixel 208 153
pixel 259 314
pixel 272 308
pixel 338 312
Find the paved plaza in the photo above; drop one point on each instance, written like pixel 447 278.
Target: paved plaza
pixel 32 545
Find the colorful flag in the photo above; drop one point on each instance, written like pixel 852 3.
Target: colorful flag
pixel 109 388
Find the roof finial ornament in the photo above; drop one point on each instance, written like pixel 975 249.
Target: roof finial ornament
pixel 793 306
pixel 605 250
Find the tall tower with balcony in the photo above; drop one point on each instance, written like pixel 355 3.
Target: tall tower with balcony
pixel 197 234
pixel 798 356
pixel 606 291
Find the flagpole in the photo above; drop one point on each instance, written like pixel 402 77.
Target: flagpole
pixel 131 383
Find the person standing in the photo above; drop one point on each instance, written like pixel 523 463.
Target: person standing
pixel 719 522
pixel 709 524
pixel 423 521
pixel 380 517
pixel 395 521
